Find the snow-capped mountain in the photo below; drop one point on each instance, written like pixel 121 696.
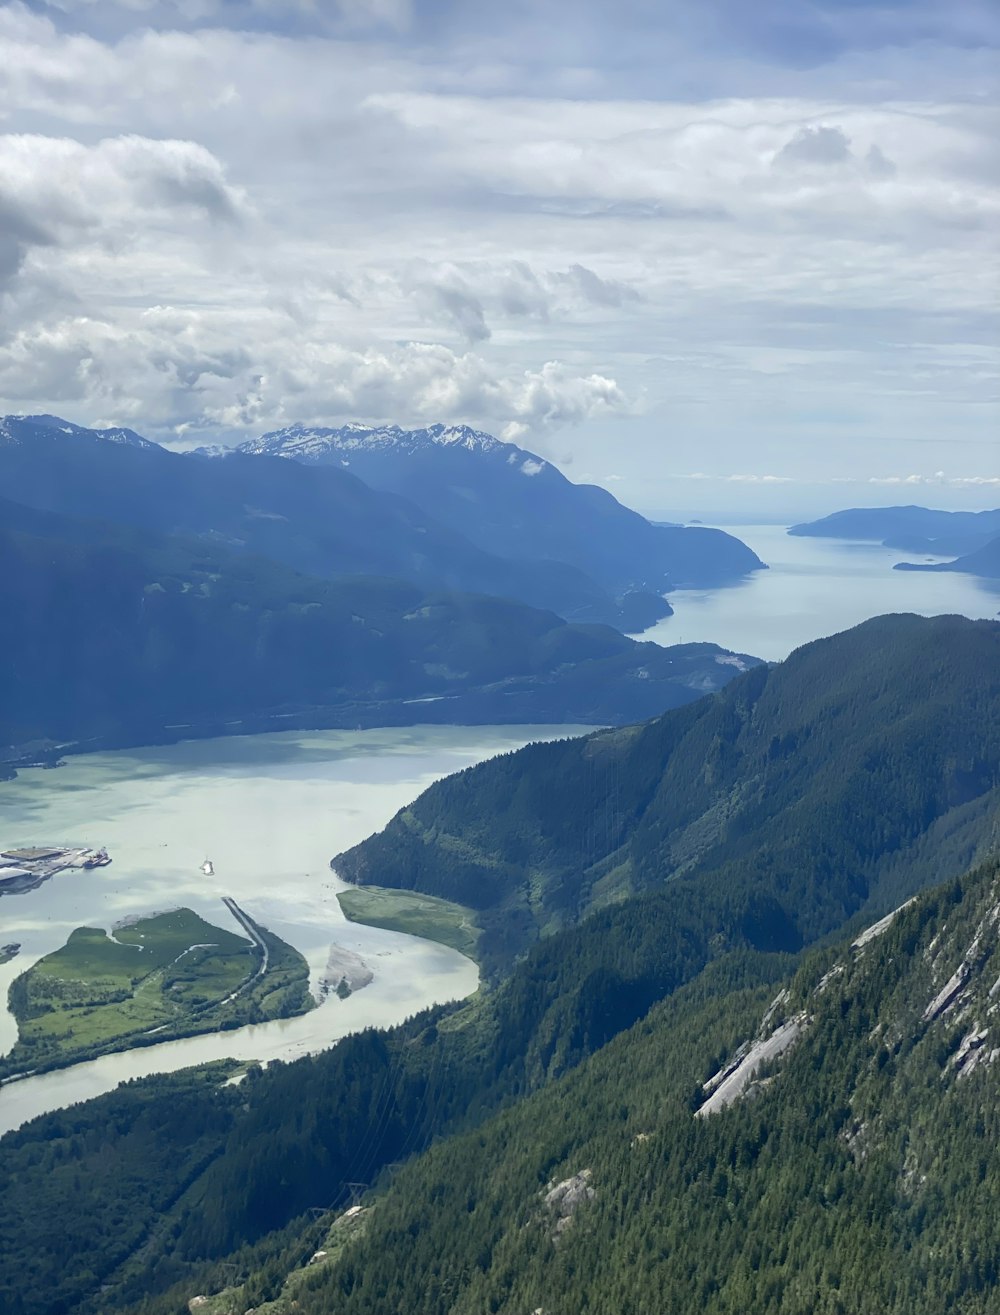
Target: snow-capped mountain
pixel 309 443
pixel 15 429
pixel 322 521
pixel 513 503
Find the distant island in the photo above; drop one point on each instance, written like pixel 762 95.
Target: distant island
pixel 984 563
pixel 910 529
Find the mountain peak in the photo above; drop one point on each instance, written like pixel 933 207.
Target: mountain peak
pixel 17 430
pixel 313 443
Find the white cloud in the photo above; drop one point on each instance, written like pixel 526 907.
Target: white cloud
pixel 740 479
pixel 394 227
pixel 181 372
pixel 938 480
pixel 56 192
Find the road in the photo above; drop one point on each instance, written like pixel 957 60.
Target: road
pixel 249 927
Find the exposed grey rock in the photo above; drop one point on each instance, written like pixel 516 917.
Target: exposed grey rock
pixel 566 1197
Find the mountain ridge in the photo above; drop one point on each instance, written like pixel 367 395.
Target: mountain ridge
pixel 515 503
pixel 535 840
pixel 23 429
pixel 122 633
pixel 855 1170
pixel 323 522
pixel 298 440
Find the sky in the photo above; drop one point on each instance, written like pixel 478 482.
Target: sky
pixel 728 259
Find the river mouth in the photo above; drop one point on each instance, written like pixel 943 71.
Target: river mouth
pixel 268 811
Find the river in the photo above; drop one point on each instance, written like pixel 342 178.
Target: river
pixel 269 811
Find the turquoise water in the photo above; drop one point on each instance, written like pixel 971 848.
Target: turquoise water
pixel 269 811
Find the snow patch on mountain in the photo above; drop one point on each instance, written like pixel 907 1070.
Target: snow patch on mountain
pixel 315 443
pixel 18 430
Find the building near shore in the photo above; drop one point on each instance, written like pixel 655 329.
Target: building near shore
pixel 10 876
pixel 32 854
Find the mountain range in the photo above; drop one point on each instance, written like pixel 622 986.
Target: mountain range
pixel 123 635
pixel 515 504
pixel 327 522
pixel 734 1047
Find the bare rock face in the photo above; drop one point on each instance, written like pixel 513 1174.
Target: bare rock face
pixel 564 1199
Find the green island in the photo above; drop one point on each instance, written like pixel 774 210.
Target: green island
pixel 414 913
pixel 159 978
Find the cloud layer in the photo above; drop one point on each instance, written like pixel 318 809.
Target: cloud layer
pixel 685 239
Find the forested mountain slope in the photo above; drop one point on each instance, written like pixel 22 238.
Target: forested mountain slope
pixel 851 774
pixel 323 522
pixel 858 1173
pixel 100 1197
pixel 516 504
pixel 119 633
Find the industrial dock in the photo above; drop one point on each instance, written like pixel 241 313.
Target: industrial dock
pixel 27 867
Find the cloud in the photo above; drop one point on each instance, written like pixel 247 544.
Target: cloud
pixel 54 188
pixel 471 294
pixel 816 145
pixel 67 205
pixel 938 479
pixel 826 147
pixel 221 211
pixel 281 15
pixel 20 230
pixel 183 372
pixel 740 479
pixel 444 292
pixel 590 288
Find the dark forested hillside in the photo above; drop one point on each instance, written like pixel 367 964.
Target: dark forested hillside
pixel 119 633
pixel 849 775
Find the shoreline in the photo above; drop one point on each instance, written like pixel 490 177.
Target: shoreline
pixel 163 811
pixel 388 715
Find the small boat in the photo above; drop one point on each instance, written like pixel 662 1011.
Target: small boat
pixel 207 868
